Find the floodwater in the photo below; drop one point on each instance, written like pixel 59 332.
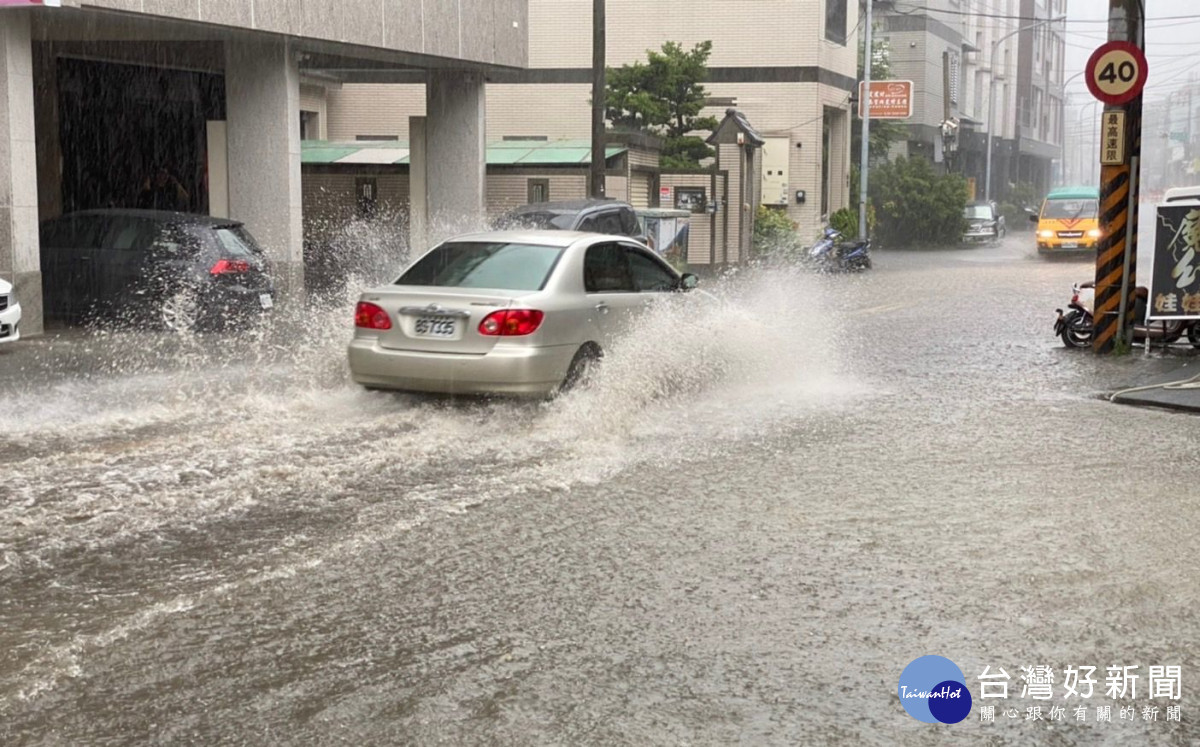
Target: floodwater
pixel 764 506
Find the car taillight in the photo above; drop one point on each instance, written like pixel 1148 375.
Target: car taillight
pixel 1075 298
pixel 511 322
pixel 229 267
pixel 370 316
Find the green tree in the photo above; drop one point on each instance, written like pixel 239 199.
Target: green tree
pixel 916 205
pixel 663 96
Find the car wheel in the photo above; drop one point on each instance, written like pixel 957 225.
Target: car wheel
pixel 586 358
pixel 180 310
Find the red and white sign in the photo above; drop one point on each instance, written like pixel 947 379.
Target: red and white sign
pixel 664 193
pixel 890 99
pixel 1117 72
pixel 23 3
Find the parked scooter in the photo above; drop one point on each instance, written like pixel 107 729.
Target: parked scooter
pixel 1075 326
pixel 831 254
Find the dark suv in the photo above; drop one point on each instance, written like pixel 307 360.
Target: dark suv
pixel 174 270
pixel 593 216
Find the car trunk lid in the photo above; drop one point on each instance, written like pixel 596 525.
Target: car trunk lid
pixel 439 320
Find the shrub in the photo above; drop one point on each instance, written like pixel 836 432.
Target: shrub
pixel 916 205
pixel 774 233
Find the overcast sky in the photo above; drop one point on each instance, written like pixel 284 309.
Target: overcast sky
pixel 1172 46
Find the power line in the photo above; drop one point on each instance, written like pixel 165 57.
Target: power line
pixel 919 9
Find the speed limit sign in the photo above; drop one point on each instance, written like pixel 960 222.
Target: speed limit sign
pixel 1116 72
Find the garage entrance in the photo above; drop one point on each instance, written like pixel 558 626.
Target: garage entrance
pixel 135 136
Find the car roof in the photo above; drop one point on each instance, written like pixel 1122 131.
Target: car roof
pixel 567 206
pixel 158 216
pixel 539 237
pixel 1074 193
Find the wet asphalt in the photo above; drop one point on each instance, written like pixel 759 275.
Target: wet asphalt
pixel 763 508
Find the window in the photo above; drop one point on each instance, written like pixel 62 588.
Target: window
pixel 538 190
pixel 605 270
pixel 649 275
pixel 835 21
pixel 629 223
pixel 310 126
pixel 375 138
pixel 607 222
pixel 129 234
pixel 464 264
pixel 690 198
pixel 235 242
pixel 366 190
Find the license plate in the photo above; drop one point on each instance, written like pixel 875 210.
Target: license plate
pixel 265 300
pixel 433 326
pixel 1070 245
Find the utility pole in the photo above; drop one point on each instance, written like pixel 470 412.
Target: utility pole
pixel 1116 255
pixel 865 96
pixel 596 171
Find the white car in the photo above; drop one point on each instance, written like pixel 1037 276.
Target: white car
pixel 507 312
pixel 10 314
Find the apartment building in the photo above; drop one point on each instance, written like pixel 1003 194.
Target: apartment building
pixel 789 66
pixel 980 65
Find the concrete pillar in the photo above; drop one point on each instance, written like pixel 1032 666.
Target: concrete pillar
pixel 19 251
pixel 456 152
pixel 262 101
pixel 418 198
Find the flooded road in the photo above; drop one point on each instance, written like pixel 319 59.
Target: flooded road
pixel 765 506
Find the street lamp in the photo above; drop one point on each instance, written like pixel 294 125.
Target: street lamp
pixel 987 177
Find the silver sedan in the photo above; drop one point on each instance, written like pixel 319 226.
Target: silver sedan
pixel 505 312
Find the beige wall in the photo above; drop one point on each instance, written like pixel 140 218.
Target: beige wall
pixel 486 31
pixel 792 36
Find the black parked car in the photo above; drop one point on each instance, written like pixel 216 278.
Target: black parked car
pixel 592 216
pixel 983 223
pixel 174 270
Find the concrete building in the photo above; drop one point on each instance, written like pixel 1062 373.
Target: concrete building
pixel 1041 61
pixel 976 60
pixel 97 95
pixel 788 65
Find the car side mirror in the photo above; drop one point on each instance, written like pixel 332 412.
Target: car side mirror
pixel 688 281
pixel 1033 218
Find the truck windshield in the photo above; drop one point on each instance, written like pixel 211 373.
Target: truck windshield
pixel 1069 209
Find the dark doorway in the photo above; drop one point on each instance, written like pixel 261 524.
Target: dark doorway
pixel 120 125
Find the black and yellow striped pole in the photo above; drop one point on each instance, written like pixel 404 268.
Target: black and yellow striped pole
pixel 1116 74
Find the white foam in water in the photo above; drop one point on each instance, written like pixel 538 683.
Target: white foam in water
pixel 167 433
pixel 180 432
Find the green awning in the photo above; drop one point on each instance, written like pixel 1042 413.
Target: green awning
pixel 503 153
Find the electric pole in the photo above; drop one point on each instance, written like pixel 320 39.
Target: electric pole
pixel 1116 255
pixel 865 104
pixel 596 172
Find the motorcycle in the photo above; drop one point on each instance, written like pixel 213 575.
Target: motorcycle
pixel 1075 326
pixel 831 254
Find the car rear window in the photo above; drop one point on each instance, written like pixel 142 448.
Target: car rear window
pixel 503 266
pixel 234 241
pixel 541 219
pixel 1069 209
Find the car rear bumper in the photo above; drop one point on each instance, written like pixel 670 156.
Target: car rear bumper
pixel 10 324
pixel 1060 247
pixel 510 370
pixel 987 235
pixel 219 305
